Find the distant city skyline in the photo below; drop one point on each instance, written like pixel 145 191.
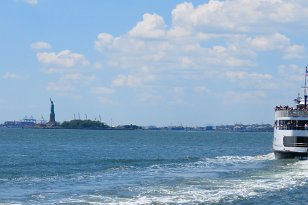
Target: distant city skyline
pixel 190 63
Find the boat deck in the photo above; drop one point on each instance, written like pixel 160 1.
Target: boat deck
pixel 291 113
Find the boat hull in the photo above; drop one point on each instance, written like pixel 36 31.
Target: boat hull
pixel 290 155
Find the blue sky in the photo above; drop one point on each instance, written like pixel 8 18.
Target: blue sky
pixel 151 62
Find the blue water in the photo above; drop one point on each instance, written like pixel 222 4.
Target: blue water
pixel 146 167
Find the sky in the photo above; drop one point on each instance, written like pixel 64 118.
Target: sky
pixel 154 62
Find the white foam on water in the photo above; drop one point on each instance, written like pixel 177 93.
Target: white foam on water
pixel 10 203
pixel 228 190
pixel 269 156
pixel 285 176
pixel 194 190
pixel 217 163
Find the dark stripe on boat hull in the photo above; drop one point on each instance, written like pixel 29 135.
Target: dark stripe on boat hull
pixel 290 155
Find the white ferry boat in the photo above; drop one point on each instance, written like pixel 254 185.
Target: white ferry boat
pixel 291 129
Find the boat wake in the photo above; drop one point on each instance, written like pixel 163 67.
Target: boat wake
pixel 194 187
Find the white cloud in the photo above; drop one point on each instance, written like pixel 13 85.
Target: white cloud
pixel 74 76
pixel 131 80
pixel 232 97
pixel 63 59
pixel 201 89
pixel 59 87
pixel 102 90
pixel 40 45
pixel 203 42
pixel 275 41
pixel 211 14
pixel 295 52
pixel 149 98
pixel 288 11
pixel 32 2
pixel 293 73
pixel 152 26
pixel 238 15
pixel 184 43
pixel 235 75
pixel 72 70
pixel 13 76
pixel 232 56
pixel 187 43
pixel 105 41
pixel 71 83
pixel 106 101
pixel 97 65
pixel 217 39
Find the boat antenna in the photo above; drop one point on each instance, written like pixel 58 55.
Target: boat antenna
pixel 305 93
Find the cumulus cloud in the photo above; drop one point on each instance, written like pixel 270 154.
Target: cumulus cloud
pixel 67 64
pixel 104 41
pixel 295 52
pixel 40 45
pixel 152 26
pixel 188 41
pixel 32 2
pixel 227 39
pixel 260 82
pixel 212 40
pixel 275 41
pixel 69 83
pixel 291 72
pixel 64 58
pixel 70 69
pixel 238 15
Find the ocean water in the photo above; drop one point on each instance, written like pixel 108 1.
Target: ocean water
pixel 146 167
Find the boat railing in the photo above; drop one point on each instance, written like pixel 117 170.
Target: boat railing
pixel 291 113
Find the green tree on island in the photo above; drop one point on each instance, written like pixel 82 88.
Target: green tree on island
pixel 84 124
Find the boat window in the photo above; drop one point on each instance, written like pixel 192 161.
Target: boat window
pixel 295 141
pixel 292 125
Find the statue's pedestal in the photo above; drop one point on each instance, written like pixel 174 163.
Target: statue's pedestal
pixel 52 118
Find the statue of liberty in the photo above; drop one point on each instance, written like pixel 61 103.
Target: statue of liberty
pixel 52 107
pixel 52 118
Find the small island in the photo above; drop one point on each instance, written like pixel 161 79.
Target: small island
pixel 94 125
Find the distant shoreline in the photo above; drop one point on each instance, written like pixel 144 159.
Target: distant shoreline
pixel 142 129
pixel 98 125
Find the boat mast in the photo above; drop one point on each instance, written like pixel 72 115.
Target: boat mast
pixel 305 93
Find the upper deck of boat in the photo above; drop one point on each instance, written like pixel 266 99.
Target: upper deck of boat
pixel 290 112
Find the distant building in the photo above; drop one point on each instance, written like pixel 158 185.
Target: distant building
pixel 25 123
pixel 209 128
